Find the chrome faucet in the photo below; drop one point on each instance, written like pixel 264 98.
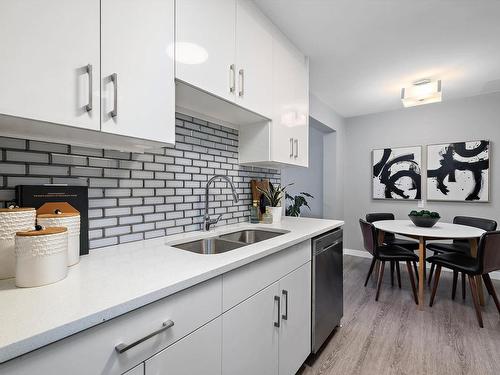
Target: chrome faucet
pixel 207 222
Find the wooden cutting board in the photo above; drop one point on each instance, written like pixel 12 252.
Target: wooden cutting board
pixel 257 195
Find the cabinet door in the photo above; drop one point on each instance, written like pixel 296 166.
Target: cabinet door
pixel 254 59
pixel 138 89
pixel 250 337
pixel 295 330
pixel 205 45
pixel 290 125
pixel 197 353
pixel 138 370
pixel 45 49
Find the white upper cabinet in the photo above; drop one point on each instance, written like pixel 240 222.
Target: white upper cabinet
pixel 205 45
pixel 138 88
pixel 254 59
pixel 49 56
pixel 290 127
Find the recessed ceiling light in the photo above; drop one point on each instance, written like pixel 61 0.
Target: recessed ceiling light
pixel 421 92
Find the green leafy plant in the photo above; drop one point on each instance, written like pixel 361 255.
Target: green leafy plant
pixel 296 202
pixel 274 194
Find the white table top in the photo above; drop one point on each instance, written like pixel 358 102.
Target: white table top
pixel 440 230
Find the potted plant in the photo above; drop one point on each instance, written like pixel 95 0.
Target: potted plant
pixel 296 202
pixel 274 195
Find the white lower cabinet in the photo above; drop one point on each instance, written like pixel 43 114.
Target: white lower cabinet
pixel 269 333
pixel 197 353
pixel 229 325
pixel 137 370
pixel 250 337
pixel 295 333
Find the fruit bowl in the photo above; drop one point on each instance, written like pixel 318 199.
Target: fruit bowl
pixel 425 219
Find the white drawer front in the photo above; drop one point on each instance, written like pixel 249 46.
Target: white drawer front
pixel 245 281
pixel 93 351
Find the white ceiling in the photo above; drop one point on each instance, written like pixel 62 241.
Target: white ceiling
pixel 363 51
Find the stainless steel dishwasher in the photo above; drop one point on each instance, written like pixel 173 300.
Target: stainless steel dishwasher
pixel 327 286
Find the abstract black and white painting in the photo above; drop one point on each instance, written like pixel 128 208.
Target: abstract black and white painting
pixel 458 171
pixel 397 173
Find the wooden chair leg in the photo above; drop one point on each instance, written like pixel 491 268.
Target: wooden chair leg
pixel 475 299
pixel 433 266
pixel 491 290
pixel 416 271
pixel 436 282
pixel 393 266
pixel 398 273
pixel 412 281
pixel 454 289
pixel 463 285
pixel 380 277
pixel 370 271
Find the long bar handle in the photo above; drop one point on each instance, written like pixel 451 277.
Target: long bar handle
pixel 232 78
pixel 88 68
pixel 291 147
pixel 114 79
pixel 121 348
pixel 285 294
pixel 296 148
pixel 241 75
pixel 277 322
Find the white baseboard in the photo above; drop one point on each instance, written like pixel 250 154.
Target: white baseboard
pixel 365 254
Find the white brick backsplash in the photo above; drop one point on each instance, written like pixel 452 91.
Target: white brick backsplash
pixel 135 196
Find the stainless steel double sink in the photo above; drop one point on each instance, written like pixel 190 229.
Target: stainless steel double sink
pixel 229 241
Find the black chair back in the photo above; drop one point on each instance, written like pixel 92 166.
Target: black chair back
pixel 369 236
pixel 376 216
pixel 488 252
pixel 476 222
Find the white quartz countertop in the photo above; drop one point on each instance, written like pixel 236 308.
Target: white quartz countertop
pixel 114 280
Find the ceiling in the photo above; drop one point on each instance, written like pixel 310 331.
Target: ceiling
pixel 362 52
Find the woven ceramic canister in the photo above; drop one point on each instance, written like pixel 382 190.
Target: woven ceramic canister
pixel 41 256
pixel 12 220
pixel 70 221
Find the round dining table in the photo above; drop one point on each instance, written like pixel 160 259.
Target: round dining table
pixel 440 231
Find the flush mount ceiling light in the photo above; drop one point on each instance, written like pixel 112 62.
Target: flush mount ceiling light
pixel 421 92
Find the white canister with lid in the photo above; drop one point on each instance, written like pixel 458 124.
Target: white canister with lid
pixel 41 256
pixel 12 220
pixel 70 221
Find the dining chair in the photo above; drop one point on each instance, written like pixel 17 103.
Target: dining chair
pixel 386 253
pixel 487 260
pixel 460 246
pixel 390 238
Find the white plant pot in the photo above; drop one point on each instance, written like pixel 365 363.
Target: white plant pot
pixel 277 212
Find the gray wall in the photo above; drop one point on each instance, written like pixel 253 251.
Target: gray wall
pixel 138 196
pixel 461 120
pixel 333 155
pixel 309 179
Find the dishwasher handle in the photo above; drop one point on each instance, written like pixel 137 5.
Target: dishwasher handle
pixel 321 250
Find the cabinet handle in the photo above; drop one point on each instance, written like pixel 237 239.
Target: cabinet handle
pixel 232 78
pixel 296 148
pixel 277 322
pixel 121 348
pixel 88 68
pixel 114 79
pixel 291 147
pixel 285 294
pixel 241 75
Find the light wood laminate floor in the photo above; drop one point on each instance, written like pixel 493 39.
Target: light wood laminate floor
pixel 392 337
